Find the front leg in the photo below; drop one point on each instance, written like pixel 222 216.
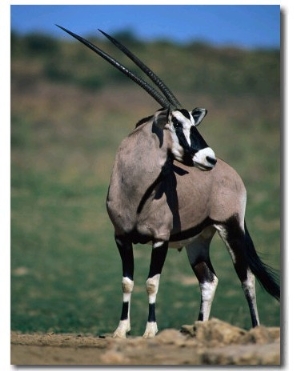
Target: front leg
pixel 158 256
pixel 126 253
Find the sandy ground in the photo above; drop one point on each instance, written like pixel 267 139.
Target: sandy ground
pixel 211 343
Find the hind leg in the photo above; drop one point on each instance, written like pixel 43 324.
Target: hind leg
pixel 234 237
pixel 198 254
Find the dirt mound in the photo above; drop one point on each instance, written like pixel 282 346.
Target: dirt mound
pixel 209 343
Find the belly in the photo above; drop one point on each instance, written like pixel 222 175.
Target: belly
pixel 183 243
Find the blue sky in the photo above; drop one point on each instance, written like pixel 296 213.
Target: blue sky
pixel 247 26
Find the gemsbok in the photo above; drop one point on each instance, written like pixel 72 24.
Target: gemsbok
pixel 168 189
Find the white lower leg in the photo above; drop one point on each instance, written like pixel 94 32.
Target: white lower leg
pixel 124 324
pixel 208 290
pixel 249 289
pixel 152 285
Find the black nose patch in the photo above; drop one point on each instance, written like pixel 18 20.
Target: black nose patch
pixel 211 160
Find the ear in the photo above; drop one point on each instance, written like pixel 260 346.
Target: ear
pixel 161 117
pixel 198 115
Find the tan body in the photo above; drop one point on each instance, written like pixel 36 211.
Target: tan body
pixel 182 202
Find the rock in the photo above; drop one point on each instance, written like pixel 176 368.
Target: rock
pixel 215 333
pixel 170 336
pixel 188 330
pixel 243 355
pixel 261 335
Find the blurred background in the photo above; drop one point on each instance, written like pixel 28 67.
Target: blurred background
pixel 69 112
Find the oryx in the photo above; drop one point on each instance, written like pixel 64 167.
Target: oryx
pixel 168 189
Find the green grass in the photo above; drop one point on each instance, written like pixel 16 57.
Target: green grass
pixel 65 267
pixel 66 271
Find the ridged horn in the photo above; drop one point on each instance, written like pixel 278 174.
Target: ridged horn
pixel 157 81
pixel 138 80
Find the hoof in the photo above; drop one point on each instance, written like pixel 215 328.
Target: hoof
pixel 119 334
pixel 151 330
pixel 123 328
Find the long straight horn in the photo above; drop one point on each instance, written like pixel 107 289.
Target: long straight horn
pixel 138 80
pixel 157 81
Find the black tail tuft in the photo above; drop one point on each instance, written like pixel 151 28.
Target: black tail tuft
pixel 266 276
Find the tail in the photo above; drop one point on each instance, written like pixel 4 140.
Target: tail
pixel 264 274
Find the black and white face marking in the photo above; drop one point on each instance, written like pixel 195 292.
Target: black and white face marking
pixel 189 146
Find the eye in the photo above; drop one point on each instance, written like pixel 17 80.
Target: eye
pixel 177 124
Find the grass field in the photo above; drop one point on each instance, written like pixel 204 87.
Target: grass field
pixel 65 267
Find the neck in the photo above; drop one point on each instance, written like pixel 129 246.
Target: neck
pixel 141 160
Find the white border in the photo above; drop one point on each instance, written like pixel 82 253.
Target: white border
pixel 290 201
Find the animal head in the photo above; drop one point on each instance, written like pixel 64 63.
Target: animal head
pixel 188 146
